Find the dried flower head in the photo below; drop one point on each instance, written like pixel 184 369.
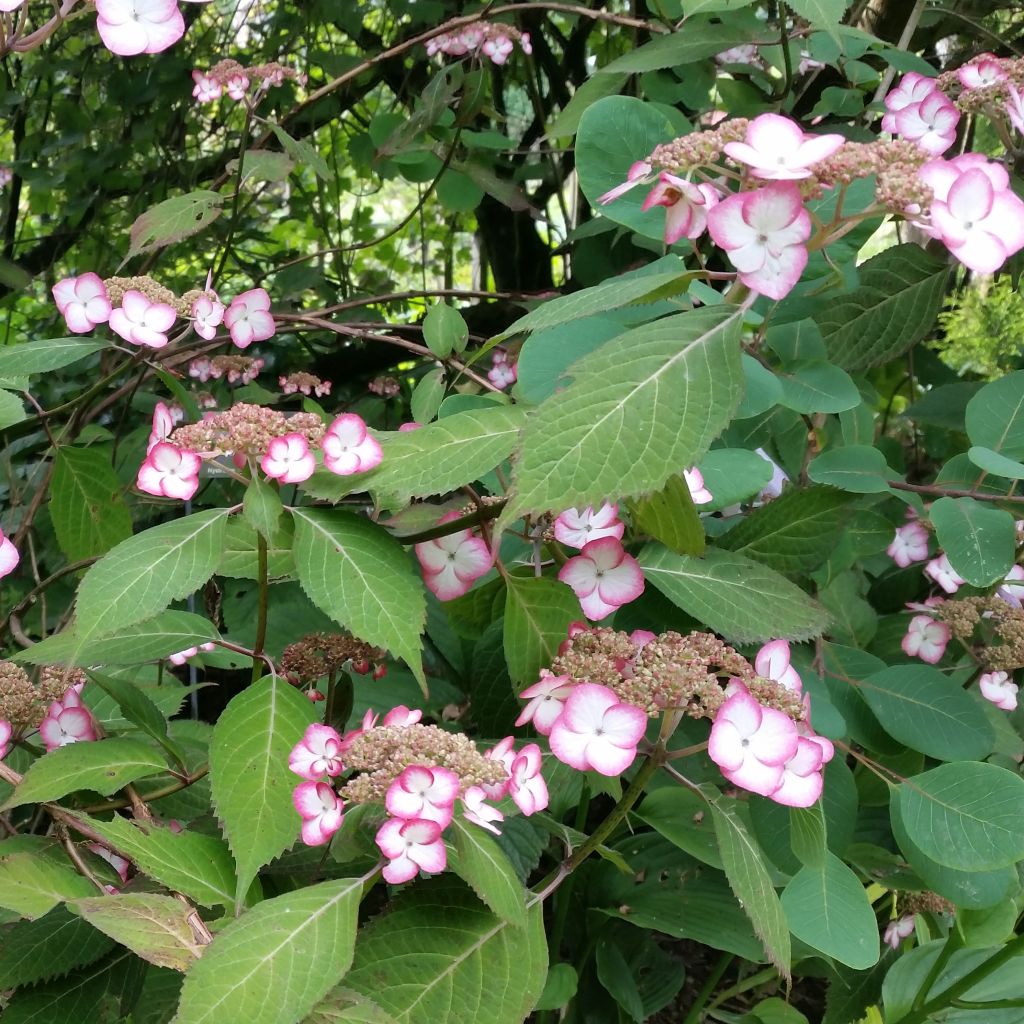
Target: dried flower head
pixel 244 428
pixel 319 654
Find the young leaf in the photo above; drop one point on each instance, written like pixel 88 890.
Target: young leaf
pixel 537 616
pixel 88 512
pixel 641 406
pixel 144 574
pixel 154 927
pixel 827 908
pixel 427 395
pixel 252 787
pixel 104 766
pixel 272 965
pixel 54 944
pixel 966 815
pixel 362 578
pixel 444 330
pixel 479 861
pixel 45 356
pixel 439 954
pixel 262 508
pixel 173 220
pixel 980 541
pixel 32 886
pixel 197 865
pixel 726 591
pixel 302 152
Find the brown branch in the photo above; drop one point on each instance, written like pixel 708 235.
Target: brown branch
pixel 952 492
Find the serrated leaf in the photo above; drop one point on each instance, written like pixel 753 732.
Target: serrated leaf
pixel 12 410
pixel 32 886
pixel 262 508
pixel 670 517
pixel 447 958
pixel 795 532
pixel 980 541
pixel 362 578
pixel 240 558
pixel 53 945
pixel 748 876
pixel 172 220
pixel 894 307
pixel 86 505
pixel 480 862
pixel 697 42
pixel 273 964
pixel 153 927
pixel 966 815
pixel 726 591
pixel 814 385
pixel 857 468
pixel 262 165
pixel 302 152
pixel 103 766
pixel 249 777
pixel 144 574
pixel 640 407
pixel 197 865
pixel 151 640
pixel 138 709
pixel 537 616
pixel 44 356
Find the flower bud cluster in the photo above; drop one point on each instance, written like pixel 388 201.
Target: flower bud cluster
pixel 963 617
pixel 494 41
pixel 698 149
pixel 117 287
pixel 23 703
pixel 244 428
pixel 304 383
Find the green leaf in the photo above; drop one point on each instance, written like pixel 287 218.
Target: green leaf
pixel 537 615
pixel 152 640
pixel 45 356
pixel 272 965
pixel 995 416
pixel 808 833
pixel 814 385
pixel 240 557
pixel 745 867
pixel 172 220
pixel 153 927
pixel 894 307
pixel 827 908
pixel 692 7
pixel 825 14
pixel 919 706
pixel 54 945
pixel 445 957
pixel 966 815
pixel 643 405
pixel 795 532
pixel 88 511
pixel 144 574
pixel 249 776
pixel 726 592
pixel 670 517
pixel 302 152
pixel 561 985
pixel 262 508
pixel 733 475
pixel 589 92
pixel 857 468
pixel 427 396
pixel 362 578
pixel 12 410
pixel 480 862
pixel 444 330
pixel 443 455
pixel 546 356
pixel 680 815
pixel 613 971
pixel 138 709
pixel 980 541
pixel 32 886
pixel 104 767
pixel 262 165
pixel 697 41
pixel 993 462
pixel 197 865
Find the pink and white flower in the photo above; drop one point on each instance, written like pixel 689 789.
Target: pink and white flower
pixel 686 206
pixel 926 639
pixel 317 754
pixel 288 459
pixel 180 657
pixel 909 545
pixel 911 90
pixel 526 785
pixel 450 564
pixel 763 233
pixel 83 302
pixel 475 809
pixel 401 717
pixel 596 731
pixel 411 845
pixel 634 176
pixel 577 529
pixel 504 752
pixel 142 322
pixel 321 811
pixel 206 88
pixel 751 743
pixel 237 85
pixel 130 27
pixel 898 930
pixel 604 577
pixel 208 314
pixel 802 781
pixel 1012 588
pixel 772 662
pixel 695 483
pixel 1000 689
pixel 169 472
pixel 941 572
pixel 163 424
pixel 986 69
pixel 546 700
pixel 9 557
pixel 776 147
pixel 348 446
pixel 67 721
pixel 423 792
pixel 930 123
pixel 6 732
pixel 248 318
pixel 502 374
pixel 1015 108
